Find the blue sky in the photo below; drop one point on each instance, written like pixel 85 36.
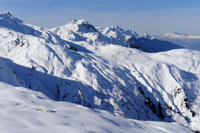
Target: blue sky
pixel 154 17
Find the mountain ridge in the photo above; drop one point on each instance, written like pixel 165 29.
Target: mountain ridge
pixel 188 41
pixel 106 73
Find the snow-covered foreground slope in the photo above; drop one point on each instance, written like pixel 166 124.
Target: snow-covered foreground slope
pixel 188 41
pixel 23 110
pixel 79 64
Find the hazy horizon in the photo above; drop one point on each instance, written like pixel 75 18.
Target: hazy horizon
pixel 153 17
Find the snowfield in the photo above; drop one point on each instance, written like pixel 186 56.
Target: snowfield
pixel 128 82
pixel 23 110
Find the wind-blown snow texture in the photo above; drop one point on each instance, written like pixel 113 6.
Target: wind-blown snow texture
pixel 99 68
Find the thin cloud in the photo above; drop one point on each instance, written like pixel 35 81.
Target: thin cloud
pixel 94 6
pixel 128 8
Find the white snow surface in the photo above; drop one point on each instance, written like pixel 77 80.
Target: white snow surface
pixel 23 110
pixel 116 32
pixel 77 63
pixel 83 31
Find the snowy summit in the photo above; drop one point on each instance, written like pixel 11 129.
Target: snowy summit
pixel 82 78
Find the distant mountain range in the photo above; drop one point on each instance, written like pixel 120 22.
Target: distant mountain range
pixel 119 71
pixel 82 30
pixel 188 41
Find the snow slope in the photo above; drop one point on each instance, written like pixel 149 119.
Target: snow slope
pixel 79 64
pixel 23 111
pixel 188 41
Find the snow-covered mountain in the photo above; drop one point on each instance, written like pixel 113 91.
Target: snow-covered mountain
pixel 134 39
pixel 82 30
pixel 23 110
pixel 188 41
pixel 97 68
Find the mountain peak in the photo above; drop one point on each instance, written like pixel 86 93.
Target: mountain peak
pixel 118 32
pixel 176 33
pixel 84 26
pixel 80 22
pixel 74 21
pixel 147 36
pixel 5 13
pixel 181 33
pixel 8 21
pixel 13 23
pixel 115 27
